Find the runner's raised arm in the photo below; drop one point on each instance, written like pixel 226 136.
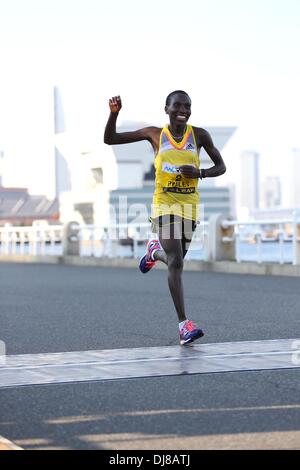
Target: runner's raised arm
pixel 112 137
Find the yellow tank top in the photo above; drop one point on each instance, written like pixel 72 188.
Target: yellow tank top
pixel 175 194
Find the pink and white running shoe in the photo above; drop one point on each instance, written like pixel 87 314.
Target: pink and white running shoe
pixel 147 261
pixel 189 333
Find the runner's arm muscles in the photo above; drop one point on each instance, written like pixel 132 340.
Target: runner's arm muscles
pixel 206 142
pixel 111 137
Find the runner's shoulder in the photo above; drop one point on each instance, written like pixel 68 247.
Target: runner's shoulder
pixel 152 134
pixel 201 134
pixel 200 131
pixel 153 130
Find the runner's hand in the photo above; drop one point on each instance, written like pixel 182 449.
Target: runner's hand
pixel 189 171
pixel 115 104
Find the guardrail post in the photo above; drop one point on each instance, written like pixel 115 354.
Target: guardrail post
pixel 71 239
pixel 296 239
pixel 217 248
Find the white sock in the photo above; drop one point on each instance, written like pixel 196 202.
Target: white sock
pixel 153 253
pixel 181 324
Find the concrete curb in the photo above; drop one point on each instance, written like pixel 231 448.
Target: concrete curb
pixel 231 267
pixel 5 444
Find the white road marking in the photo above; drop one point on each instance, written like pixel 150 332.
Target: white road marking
pixel 82 366
pixel 157 359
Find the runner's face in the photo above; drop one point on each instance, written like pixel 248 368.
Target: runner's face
pixel 179 109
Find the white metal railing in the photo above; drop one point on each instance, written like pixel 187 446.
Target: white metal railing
pixel 31 240
pixel 258 236
pixel 99 240
pixel 103 240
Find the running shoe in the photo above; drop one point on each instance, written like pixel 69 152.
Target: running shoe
pixel 189 333
pixel 147 261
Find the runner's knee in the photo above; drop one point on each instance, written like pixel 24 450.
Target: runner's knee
pixel 175 261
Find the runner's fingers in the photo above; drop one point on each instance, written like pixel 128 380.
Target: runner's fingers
pixel 115 103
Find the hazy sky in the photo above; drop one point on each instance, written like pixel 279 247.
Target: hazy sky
pixel 238 60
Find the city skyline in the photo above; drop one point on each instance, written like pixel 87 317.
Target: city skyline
pixel 250 180
pixel 246 76
pixel 14 179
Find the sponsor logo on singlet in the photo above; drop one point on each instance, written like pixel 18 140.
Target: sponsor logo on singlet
pixel 190 147
pixel 168 168
pixel 180 190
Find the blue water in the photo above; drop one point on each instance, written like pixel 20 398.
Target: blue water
pixel 248 252
pixel 270 252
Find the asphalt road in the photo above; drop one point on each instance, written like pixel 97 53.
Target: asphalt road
pixel 47 308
